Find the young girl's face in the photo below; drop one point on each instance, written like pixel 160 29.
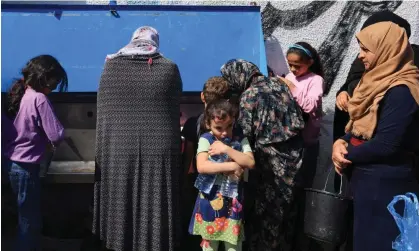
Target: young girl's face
pixel 298 65
pixel 222 128
pixel 52 85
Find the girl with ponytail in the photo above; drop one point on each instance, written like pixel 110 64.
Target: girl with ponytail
pixel 32 128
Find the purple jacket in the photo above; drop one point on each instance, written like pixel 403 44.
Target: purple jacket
pixel 26 137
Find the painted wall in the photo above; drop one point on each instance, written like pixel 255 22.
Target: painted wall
pixel 329 26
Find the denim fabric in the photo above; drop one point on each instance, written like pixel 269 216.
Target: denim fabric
pixel 25 182
pixel 226 186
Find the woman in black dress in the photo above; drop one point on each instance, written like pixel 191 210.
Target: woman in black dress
pixel 138 148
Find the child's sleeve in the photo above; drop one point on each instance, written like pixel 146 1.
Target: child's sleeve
pixel 49 121
pixel 246 145
pixel 203 145
pixel 311 99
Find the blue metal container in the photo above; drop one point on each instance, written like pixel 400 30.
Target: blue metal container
pixel 198 38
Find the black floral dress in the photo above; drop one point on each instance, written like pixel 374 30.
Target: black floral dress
pixel 272 121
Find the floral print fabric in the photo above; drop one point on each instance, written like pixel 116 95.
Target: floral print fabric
pixel 216 217
pixel 274 218
pixel 272 121
pixel 269 113
pixel 239 73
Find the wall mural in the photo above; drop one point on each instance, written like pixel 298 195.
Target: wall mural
pixel 336 29
pixel 333 50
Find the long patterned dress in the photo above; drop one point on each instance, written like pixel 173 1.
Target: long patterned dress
pixel 272 119
pixel 138 154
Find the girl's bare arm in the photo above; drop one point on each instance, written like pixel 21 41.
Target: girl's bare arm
pixel 206 166
pixel 245 160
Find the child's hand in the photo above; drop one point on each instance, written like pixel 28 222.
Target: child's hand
pixel 290 84
pixel 237 173
pixel 217 148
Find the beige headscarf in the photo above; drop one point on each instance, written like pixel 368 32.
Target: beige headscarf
pixel 392 66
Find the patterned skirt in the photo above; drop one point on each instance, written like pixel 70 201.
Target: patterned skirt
pixel 274 219
pixel 218 218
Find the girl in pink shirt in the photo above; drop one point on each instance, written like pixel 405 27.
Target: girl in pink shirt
pixel 306 86
pixel 305 82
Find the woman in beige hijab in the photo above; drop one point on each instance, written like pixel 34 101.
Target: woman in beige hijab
pixel 382 135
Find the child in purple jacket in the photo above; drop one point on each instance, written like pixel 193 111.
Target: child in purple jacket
pixel 31 127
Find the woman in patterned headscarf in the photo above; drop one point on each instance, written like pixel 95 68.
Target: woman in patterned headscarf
pixel 272 121
pixel 138 148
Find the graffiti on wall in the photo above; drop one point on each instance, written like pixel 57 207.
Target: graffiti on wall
pixel 333 49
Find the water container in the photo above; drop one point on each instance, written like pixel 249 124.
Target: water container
pixel 327 215
pixel 232 186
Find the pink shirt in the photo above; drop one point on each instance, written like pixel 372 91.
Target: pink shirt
pixel 308 94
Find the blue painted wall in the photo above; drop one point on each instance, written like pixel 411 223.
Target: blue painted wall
pixel 198 39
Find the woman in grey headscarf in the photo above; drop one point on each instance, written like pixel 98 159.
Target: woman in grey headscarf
pixel 138 148
pixel 272 121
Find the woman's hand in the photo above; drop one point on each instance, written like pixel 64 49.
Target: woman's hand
pixel 218 148
pixel 342 101
pixel 290 84
pixel 339 151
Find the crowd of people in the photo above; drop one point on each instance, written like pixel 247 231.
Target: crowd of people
pixel 246 159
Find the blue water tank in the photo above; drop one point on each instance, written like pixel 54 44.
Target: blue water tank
pixel 198 38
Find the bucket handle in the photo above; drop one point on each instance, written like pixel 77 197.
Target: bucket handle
pixel 327 179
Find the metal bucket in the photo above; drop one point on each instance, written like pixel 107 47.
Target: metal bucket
pixel 326 215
